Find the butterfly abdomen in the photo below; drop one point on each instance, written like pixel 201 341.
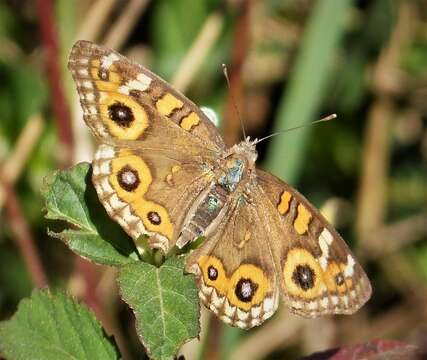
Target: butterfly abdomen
pixel 205 213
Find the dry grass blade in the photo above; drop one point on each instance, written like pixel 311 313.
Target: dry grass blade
pixel 95 20
pixel 120 30
pixel 371 202
pixel 200 48
pixel 22 151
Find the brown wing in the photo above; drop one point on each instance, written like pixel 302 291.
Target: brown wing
pixel 156 144
pixel 124 101
pixel 147 193
pixel 235 269
pixel 319 273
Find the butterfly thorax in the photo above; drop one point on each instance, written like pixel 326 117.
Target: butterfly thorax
pixel 237 166
pixel 232 178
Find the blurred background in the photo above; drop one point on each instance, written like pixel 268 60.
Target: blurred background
pixel 290 62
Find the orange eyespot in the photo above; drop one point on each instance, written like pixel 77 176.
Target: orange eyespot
pixel 248 286
pixel 213 273
pixel 335 279
pixel 302 274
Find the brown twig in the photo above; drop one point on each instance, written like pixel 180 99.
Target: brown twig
pixel 48 33
pixel 239 51
pixel 372 200
pixel 398 234
pixel 22 235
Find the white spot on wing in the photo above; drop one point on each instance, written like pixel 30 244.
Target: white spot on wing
pixel 217 301
pixel 105 186
pixel 115 202
pixel 256 322
pixel 108 60
pixel 242 315
pixel 83 72
pixel 324 302
pixel 334 299
pixel 241 324
pixel 212 116
pixel 105 152
pixel 325 240
pixel 87 85
pixel 312 305
pixel 202 296
pixel 345 300
pixel 349 268
pixel 256 311
pixel 268 304
pixel 90 96
pixel 226 319
pixel 135 85
pixel 229 310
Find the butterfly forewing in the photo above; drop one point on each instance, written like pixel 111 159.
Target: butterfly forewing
pixel 125 101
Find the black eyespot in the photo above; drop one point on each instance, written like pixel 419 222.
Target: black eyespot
pixel 121 114
pixel 128 178
pixel 339 279
pixel 154 218
pixel 212 273
pixel 304 277
pixel 245 290
pixel 103 74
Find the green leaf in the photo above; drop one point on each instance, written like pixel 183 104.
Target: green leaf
pixel 71 197
pixel 54 327
pixel 165 303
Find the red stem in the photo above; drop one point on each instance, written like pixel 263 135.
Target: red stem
pixel 48 32
pixel 22 236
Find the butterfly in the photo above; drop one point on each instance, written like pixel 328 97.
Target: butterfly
pixel 162 170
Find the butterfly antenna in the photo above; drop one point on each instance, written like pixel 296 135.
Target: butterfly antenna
pixel 225 71
pixel 326 118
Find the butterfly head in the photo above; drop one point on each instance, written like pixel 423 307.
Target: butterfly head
pixel 247 150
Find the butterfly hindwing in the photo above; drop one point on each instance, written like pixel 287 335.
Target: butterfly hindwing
pixel 147 193
pixel 235 269
pixel 319 273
